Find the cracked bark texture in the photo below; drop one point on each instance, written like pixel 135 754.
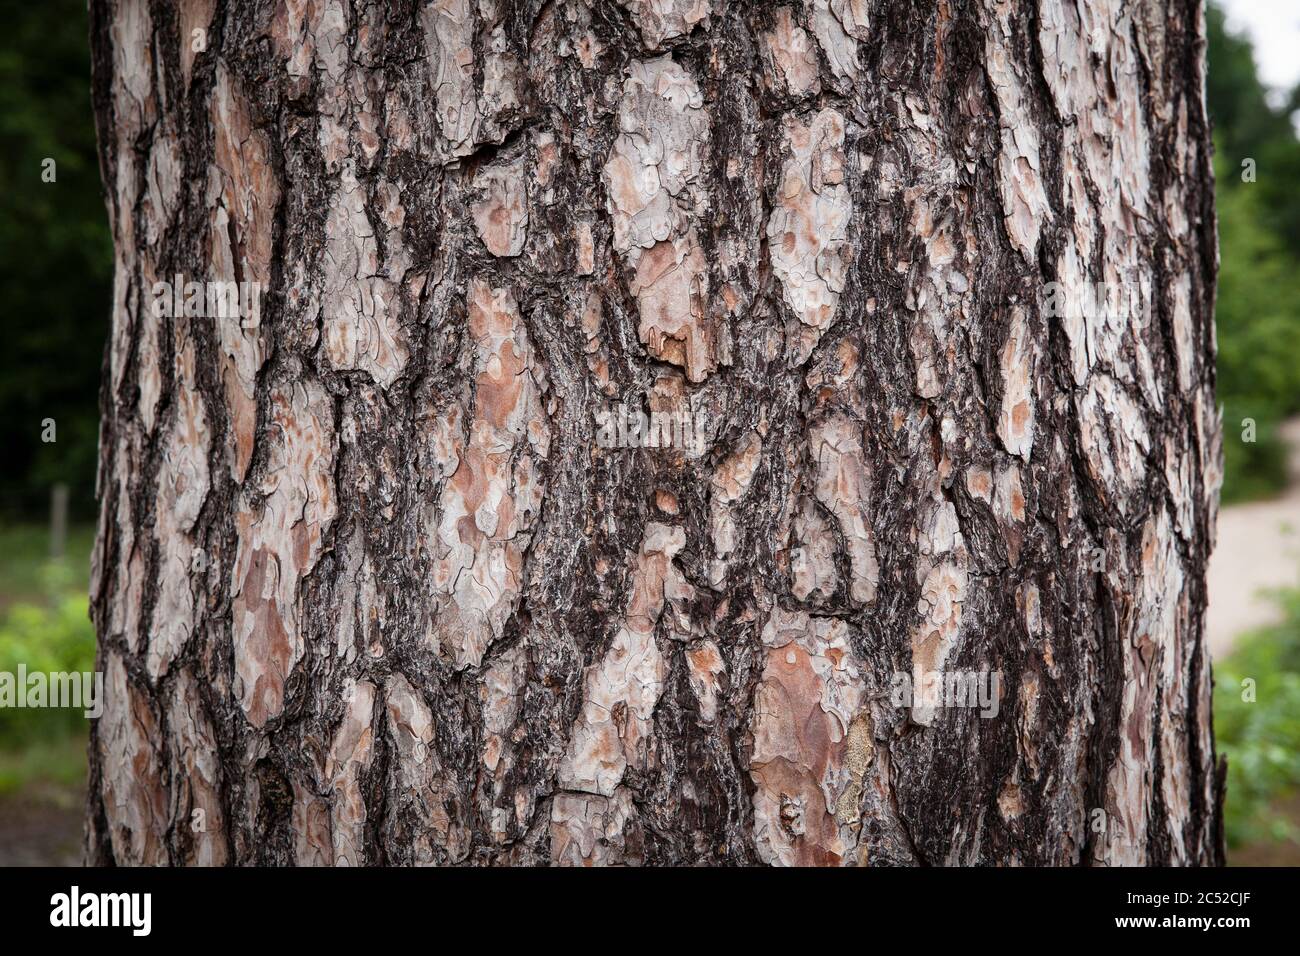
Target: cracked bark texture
pixel 368 590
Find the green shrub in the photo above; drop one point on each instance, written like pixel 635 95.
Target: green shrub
pixel 57 637
pixel 1261 738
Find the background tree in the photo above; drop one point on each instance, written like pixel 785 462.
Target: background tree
pixel 370 590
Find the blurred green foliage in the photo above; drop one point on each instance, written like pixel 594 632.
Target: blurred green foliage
pixel 59 760
pixel 1258 308
pixel 27 574
pixel 56 257
pixel 1257 319
pixel 1261 737
pixel 52 638
pixel 1248 126
pixel 45 626
pixel 1255 469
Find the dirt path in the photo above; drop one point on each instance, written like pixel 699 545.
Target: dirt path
pixel 41 827
pixel 1258 547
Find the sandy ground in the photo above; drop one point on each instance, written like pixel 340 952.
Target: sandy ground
pixel 1258 548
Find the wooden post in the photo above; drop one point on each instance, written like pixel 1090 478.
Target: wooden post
pixel 58 521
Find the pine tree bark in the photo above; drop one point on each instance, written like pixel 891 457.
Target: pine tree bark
pixel 383 576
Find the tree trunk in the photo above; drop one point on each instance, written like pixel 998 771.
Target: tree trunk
pixel 396 566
